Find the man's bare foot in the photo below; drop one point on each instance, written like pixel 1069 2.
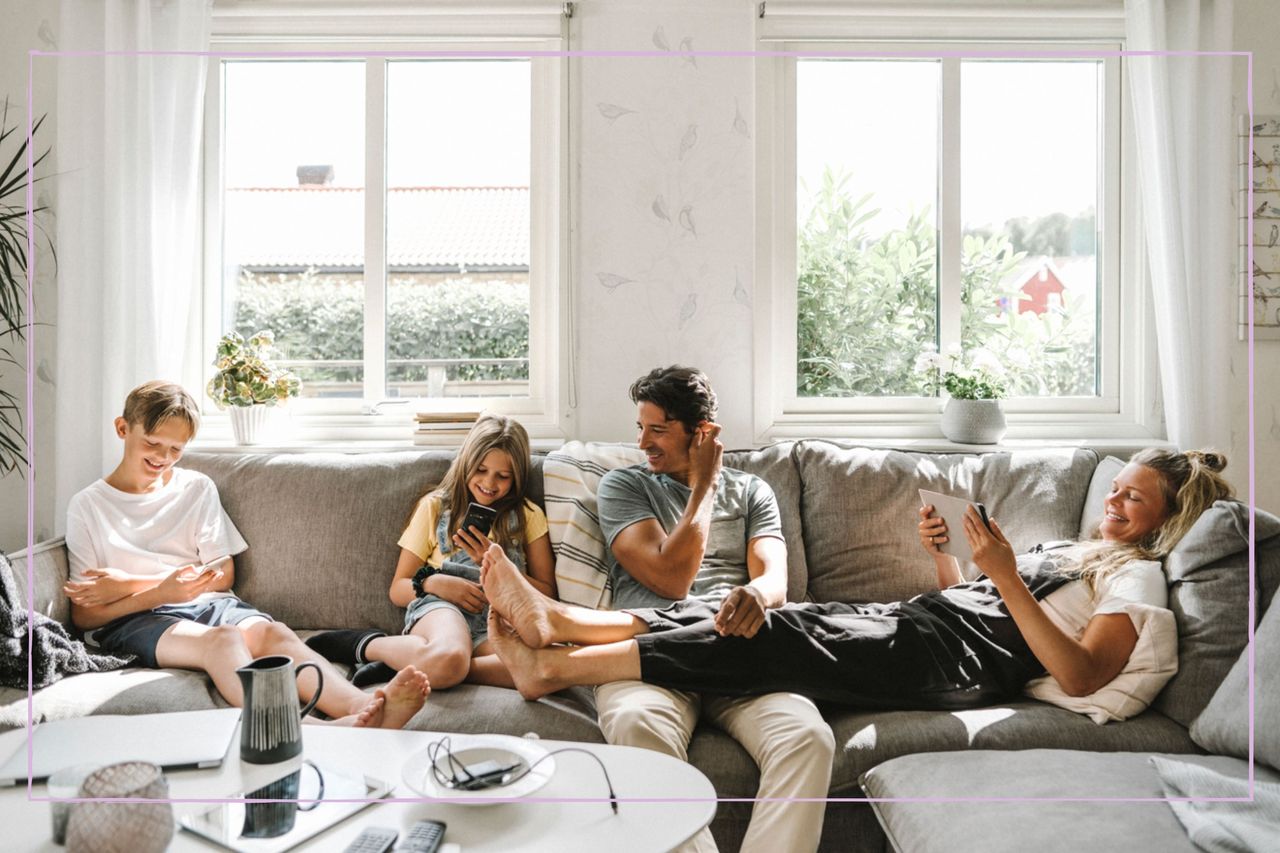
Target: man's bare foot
pixel 395 704
pixel 528 611
pixel 521 661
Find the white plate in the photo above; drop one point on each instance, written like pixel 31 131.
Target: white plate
pixel 469 749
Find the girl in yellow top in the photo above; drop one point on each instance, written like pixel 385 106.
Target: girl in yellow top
pixel 437 579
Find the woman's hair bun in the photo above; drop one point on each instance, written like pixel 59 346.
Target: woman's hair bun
pixel 1210 459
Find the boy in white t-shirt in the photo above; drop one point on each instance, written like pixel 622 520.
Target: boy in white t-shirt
pixel 152 566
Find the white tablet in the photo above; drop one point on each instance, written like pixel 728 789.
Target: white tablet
pixel 951 510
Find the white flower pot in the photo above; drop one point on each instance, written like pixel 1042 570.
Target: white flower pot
pixel 248 423
pixel 973 421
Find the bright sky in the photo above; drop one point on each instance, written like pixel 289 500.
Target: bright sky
pixel 1029 128
pixel 1029 134
pixel 449 123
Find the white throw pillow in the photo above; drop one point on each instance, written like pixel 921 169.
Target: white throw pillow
pixel 1153 662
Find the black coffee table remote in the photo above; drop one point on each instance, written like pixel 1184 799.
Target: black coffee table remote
pixel 423 837
pixel 374 839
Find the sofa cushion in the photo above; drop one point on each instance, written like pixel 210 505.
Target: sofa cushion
pixel 123 691
pixel 1045 827
pixel 858 508
pixel 1099 487
pixel 322 529
pixel 774 465
pixel 1209 595
pixel 1223 726
pixel 867 738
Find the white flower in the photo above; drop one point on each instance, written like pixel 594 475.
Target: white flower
pixel 928 361
pixel 984 359
pixel 953 349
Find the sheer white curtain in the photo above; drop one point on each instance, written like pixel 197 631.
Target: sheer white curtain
pixel 1184 132
pixel 128 232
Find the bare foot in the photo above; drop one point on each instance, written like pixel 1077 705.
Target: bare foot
pixel 514 598
pixel 405 695
pixel 520 660
pixel 371 712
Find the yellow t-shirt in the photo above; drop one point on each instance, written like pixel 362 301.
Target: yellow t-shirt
pixel 420 536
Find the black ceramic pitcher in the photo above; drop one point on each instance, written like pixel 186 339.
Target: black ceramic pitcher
pixel 271 724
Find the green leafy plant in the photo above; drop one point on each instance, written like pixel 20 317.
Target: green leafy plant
pixel 977 375
pixel 866 300
pixel 321 318
pixel 246 375
pixel 14 180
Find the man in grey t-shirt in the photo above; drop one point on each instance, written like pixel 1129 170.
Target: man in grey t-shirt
pixel 682 527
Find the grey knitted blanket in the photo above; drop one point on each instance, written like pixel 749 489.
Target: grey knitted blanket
pixel 53 652
pixel 1221 827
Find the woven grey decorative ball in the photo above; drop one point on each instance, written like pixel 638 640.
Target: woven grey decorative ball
pixel 122 827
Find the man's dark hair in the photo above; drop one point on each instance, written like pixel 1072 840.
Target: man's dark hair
pixel 683 393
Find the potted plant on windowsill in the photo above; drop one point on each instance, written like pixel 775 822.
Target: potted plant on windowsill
pixel 974 383
pixel 249 383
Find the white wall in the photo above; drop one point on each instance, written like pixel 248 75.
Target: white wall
pixel 676 286
pixel 1257 29
pixel 31 25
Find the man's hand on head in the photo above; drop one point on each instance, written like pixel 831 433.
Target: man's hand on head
pixel 705 454
pixel 741 613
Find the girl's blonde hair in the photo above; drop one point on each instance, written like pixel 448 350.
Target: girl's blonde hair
pixel 1190 481
pixel 491 432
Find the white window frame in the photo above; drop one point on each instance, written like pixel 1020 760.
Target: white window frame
pixel 349 420
pixel 1126 407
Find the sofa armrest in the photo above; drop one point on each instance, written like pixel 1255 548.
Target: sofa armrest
pixel 50 567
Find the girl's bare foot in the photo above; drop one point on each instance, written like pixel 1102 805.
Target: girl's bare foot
pixel 528 611
pixel 371 712
pixel 521 661
pixel 395 704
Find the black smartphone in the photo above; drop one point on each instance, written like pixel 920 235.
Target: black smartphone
pixel 480 517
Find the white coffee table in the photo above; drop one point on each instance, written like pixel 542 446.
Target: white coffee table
pixel 662 801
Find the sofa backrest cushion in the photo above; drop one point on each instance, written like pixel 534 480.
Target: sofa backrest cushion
pixel 1209 594
pixel 774 465
pixel 1099 487
pixel 1223 727
pixel 858 506
pixel 322 529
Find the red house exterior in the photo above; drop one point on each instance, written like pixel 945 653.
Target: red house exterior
pixel 1039 285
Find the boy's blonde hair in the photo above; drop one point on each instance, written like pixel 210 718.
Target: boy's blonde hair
pixel 491 432
pixel 152 403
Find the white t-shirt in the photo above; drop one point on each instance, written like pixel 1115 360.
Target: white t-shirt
pixel 150 534
pixel 1070 607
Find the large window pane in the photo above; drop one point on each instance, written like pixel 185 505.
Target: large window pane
pixel 458 165
pixel 867 166
pixel 293 224
pixel 1029 201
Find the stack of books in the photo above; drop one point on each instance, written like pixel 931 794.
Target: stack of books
pixel 443 429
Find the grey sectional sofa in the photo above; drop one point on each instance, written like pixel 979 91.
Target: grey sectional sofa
pixel 322 529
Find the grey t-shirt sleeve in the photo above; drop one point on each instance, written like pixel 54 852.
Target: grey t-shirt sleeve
pixel 621 501
pixel 763 516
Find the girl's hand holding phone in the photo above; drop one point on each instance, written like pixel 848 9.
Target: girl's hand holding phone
pixel 473 542
pixel 460 591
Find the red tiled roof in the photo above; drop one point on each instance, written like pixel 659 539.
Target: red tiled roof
pixel 427 227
